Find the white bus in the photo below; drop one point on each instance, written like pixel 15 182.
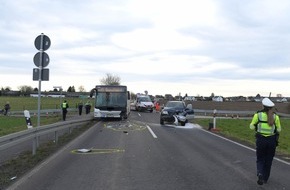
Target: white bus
pixel 111 101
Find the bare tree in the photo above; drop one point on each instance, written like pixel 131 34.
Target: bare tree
pixel 81 88
pixel 110 80
pixel 25 90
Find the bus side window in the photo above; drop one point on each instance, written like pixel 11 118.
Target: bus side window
pixel 128 95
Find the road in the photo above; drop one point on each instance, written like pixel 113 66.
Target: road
pixel 140 154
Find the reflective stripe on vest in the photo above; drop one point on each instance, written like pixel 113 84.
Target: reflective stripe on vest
pixel 263 126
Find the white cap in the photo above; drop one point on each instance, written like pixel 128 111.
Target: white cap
pixel 267 102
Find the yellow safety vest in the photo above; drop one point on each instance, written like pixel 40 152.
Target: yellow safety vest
pixel 64 105
pixel 263 127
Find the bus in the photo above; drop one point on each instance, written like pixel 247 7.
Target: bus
pixel 111 101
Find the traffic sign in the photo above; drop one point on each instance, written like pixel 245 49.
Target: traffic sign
pixel 44 60
pixel 45 42
pixel 44 74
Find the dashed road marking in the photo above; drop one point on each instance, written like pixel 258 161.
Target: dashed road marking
pixel 151 131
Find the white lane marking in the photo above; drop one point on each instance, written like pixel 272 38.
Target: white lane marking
pixel 254 150
pixel 152 133
pixel 139 114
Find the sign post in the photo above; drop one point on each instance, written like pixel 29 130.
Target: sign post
pixel 41 60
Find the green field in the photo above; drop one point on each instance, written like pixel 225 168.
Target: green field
pixel 11 124
pixel 31 103
pixel 238 129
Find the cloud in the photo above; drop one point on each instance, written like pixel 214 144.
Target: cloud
pixel 188 46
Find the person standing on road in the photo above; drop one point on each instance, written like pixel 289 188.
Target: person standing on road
pixel 80 106
pixel 267 125
pixel 64 107
pixel 88 106
pixel 6 108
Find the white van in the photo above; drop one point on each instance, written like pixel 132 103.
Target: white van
pixel 143 103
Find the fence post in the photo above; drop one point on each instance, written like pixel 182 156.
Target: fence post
pixel 55 137
pixel 214 118
pixel 28 120
pixel 34 144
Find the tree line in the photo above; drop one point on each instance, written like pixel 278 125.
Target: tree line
pixel 26 90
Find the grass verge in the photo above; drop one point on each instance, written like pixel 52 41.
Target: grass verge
pixel 11 124
pixel 239 130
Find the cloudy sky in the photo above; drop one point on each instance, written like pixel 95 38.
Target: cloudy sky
pixel 198 47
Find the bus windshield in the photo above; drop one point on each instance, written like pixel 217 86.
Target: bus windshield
pixel 115 99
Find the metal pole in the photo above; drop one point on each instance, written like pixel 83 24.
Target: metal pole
pixel 60 98
pixel 39 80
pixel 214 122
pixel 36 144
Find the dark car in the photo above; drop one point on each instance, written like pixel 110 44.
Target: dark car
pixel 175 112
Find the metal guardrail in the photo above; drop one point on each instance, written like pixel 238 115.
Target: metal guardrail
pixel 232 113
pixel 43 112
pixel 34 133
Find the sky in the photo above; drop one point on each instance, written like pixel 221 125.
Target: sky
pixel 193 47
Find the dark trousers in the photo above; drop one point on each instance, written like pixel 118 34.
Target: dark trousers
pixel 6 111
pixel 64 112
pixel 265 152
pixel 80 110
pixel 88 109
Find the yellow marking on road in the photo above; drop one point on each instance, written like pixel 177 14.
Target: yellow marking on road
pixel 124 126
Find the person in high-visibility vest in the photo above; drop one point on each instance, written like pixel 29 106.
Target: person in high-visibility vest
pixel 157 106
pixel 64 107
pixel 88 106
pixel 267 125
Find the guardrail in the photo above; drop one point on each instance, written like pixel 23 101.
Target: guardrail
pixel 43 112
pixel 229 113
pixel 34 133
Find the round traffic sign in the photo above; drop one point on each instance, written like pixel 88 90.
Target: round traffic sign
pixel 45 42
pixel 44 61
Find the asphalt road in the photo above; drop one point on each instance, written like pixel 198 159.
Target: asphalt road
pixel 140 154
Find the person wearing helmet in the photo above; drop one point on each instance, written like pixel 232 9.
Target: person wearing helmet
pixel 267 125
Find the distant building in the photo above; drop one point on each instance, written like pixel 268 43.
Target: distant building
pixel 168 97
pixel 190 98
pixel 217 99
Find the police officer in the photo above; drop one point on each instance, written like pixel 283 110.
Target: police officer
pixel 80 106
pixel 267 125
pixel 64 107
pixel 88 106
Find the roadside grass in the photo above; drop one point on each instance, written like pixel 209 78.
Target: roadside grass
pixel 238 129
pixel 15 124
